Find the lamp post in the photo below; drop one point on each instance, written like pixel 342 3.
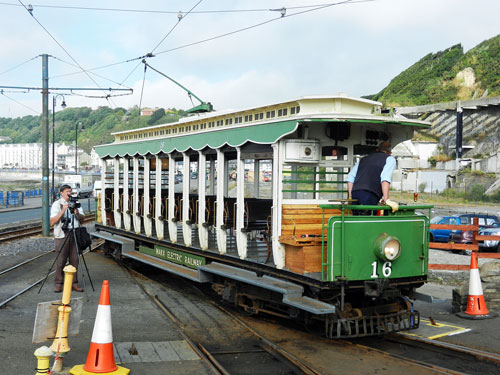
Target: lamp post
pixel 76 147
pixel 63 105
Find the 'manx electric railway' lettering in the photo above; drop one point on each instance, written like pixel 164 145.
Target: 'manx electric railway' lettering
pixel 174 256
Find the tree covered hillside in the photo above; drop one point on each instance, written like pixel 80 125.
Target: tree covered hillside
pixel 447 75
pixel 95 126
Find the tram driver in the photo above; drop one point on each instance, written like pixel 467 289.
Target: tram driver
pixel 369 180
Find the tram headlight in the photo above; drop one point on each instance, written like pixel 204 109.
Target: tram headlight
pixel 387 248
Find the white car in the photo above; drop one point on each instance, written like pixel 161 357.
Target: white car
pixel 490 245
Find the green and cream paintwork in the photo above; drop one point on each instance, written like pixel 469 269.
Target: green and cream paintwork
pixel 272 125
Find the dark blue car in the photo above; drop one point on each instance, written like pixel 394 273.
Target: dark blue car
pixel 443 235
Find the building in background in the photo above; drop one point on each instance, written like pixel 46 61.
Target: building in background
pixel 29 156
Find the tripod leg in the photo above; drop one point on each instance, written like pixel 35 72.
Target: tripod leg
pixel 86 268
pixel 54 262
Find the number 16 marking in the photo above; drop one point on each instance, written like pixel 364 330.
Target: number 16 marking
pixel 386 269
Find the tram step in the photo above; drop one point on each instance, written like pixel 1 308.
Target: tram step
pixel 310 305
pixel 128 245
pixel 249 277
pixel 176 269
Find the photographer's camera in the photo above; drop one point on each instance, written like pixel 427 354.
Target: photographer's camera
pixel 73 203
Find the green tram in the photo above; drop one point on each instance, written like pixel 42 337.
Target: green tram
pixel 254 203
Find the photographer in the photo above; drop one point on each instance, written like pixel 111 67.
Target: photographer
pixel 65 213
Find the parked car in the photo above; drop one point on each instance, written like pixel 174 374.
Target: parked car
pixel 442 235
pixel 466 236
pixel 490 246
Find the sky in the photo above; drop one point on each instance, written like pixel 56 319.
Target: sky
pixel 234 54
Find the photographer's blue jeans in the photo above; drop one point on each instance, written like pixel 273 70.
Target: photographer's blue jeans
pixel 67 249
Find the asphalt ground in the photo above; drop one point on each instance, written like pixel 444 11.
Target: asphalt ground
pixel 132 315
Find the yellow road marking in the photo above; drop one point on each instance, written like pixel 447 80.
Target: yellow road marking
pixel 455 330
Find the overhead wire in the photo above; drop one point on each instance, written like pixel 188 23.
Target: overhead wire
pixel 59 44
pixel 256 25
pixel 180 17
pixel 97 75
pixel 163 11
pixel 316 7
pixel 2 92
pixel 19 65
pixel 310 8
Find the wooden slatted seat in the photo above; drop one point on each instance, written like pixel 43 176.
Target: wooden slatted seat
pixel 301 232
pixel 302 223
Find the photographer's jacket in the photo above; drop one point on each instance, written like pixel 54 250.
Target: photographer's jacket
pixel 57 207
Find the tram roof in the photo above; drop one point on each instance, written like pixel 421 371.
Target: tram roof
pixel 337 108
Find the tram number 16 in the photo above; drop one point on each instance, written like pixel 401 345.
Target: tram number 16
pixel 386 269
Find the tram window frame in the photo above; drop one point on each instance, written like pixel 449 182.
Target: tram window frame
pixel 259 116
pixel 162 132
pixel 174 131
pixel 168 131
pixel 140 135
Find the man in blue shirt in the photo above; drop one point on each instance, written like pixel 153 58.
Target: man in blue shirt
pixel 369 181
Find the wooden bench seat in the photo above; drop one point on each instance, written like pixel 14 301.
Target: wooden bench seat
pixel 301 232
pixel 302 224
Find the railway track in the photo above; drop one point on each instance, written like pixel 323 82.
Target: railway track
pixel 25 275
pixel 33 229
pixel 225 342
pixel 292 345
pixel 441 356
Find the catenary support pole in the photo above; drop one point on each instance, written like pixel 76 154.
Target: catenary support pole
pixel 45 146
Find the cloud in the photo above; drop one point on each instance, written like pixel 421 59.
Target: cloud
pixel 354 48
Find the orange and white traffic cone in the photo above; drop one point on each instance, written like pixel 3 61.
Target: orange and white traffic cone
pixel 476 306
pixel 100 359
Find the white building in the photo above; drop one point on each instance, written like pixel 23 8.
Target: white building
pixel 29 155
pixel 22 155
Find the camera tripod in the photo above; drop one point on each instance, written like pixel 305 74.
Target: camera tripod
pixel 71 233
